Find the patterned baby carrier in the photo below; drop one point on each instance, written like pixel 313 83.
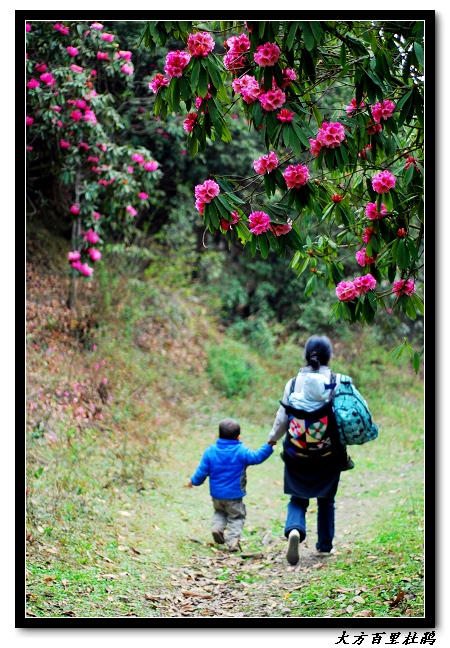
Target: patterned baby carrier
pixel 311 434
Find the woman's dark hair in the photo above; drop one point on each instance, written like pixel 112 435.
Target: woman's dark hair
pixel 229 429
pixel 318 351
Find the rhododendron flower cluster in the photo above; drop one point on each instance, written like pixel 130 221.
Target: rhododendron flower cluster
pixel 373 214
pixel 190 122
pixel 281 229
pixel 259 222
pixel 404 287
pixel 142 195
pixel 383 182
pixel 200 44
pixel 351 109
pixel 367 234
pixel 85 269
pixel 91 236
pixel 350 290
pixel 131 210
pixel 175 63
pixel 248 87
pixel 373 128
pixel 72 51
pixel 97 25
pixel 289 75
pixel 336 198
pixel 125 54
pixel 266 163
pixel 76 68
pixel 64 143
pixel 103 56
pixel 226 225
pixel 331 134
pixel 272 99
pixel 29 120
pixel 95 255
pixel 207 191
pixel 158 82
pixel 151 165
pixel 267 54
pixel 382 110
pixel 33 83
pixel 137 157
pixel 362 258
pixel 75 209
pixel 237 47
pixel 285 115
pixel 127 69
pixel 76 115
pixel 108 37
pixel 48 78
pixel 27 27
pixel 40 67
pixel 402 233
pixel 74 256
pixel 315 147
pixel 296 176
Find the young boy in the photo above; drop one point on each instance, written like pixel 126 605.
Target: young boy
pixel 225 463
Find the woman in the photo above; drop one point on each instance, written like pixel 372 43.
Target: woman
pixel 312 452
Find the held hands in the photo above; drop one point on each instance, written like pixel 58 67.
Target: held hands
pixel 272 443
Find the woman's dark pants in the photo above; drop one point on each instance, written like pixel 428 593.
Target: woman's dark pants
pixel 296 513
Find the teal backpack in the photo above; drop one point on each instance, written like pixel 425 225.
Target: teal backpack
pixel 353 418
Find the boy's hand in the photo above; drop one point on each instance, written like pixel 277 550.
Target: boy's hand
pixel 189 484
pixel 272 443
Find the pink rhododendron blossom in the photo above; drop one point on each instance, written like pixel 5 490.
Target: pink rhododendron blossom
pixel 76 115
pixel 96 215
pixel 92 158
pixel 48 78
pixel 142 195
pixel 103 182
pixel 102 56
pixel 315 147
pixel 207 191
pixel 40 67
pixel 89 116
pixel 200 206
pixel 75 209
pixel 233 61
pixel 127 69
pixel 346 291
pixel 91 236
pixel 97 25
pixel 59 123
pixel 272 99
pixel 85 270
pixel 266 163
pixel 190 122
pixel 64 30
pixel 131 210
pixel 95 255
pixel 285 115
pixel 289 75
pixel 93 73
pixel 27 27
pixel 351 109
pixel 368 233
pixel 237 44
pixel 373 128
pixel 373 214
pixel 64 144
pixel 29 148
pixel 226 224
pixel 259 222
pixel 76 68
pixel 362 259
pixel 281 229
pixel 74 256
pixel 248 87
pixel 158 82
pixel 383 182
pixel 138 157
pixel 56 108
pixel 101 146
pixel 267 54
pixel 130 169
pixel 200 44
pixel 331 134
pixel 80 103
pixel 336 198
pixel 76 264
pixel 296 176
pixel 33 83
pixel 404 287
pixel 382 110
pixel 364 284
pixel 29 120
pixel 151 165
pixel 175 63
pixel 108 37
pixel 402 233
pixel 125 54
pixel 72 51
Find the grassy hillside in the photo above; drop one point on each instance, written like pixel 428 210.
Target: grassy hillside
pixel 125 394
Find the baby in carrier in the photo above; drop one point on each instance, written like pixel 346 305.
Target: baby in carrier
pixel 314 393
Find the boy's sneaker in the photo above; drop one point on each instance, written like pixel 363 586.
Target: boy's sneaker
pixel 235 545
pixel 218 536
pixel 292 549
pixel 349 464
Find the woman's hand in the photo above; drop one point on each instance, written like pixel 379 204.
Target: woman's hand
pixel 272 443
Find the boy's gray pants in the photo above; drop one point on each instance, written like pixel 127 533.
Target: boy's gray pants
pixel 231 513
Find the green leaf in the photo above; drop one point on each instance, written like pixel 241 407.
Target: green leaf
pixel 203 82
pixel 285 131
pixel 410 310
pixel 253 243
pixel 403 259
pixel 316 30
pixel 318 116
pixel 214 74
pixel 242 232
pixel 416 362
pixel 195 74
pixel 419 53
pixel 408 175
pixel 184 89
pixel 418 303
pixel 308 36
pixel 301 134
pixel 295 143
pixel 264 246
pixel 405 110
pixel 291 35
pixel 343 55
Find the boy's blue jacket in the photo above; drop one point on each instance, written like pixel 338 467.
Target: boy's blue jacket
pixel 225 463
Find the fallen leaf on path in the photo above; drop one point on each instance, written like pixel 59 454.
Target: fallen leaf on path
pixel 358 599
pixel 125 513
pixel 350 608
pixel 107 576
pixel 195 540
pixel 364 613
pixel 197 594
pixel 135 551
pixel 105 558
pixel 398 598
